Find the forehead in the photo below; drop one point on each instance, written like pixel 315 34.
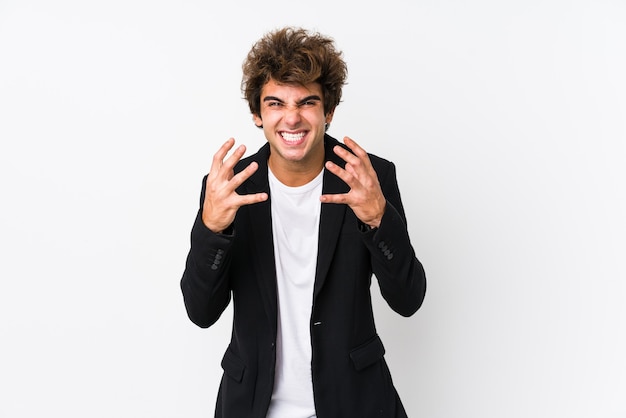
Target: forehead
pixel 290 91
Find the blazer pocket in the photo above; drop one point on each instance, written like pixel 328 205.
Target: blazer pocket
pixel 368 353
pixel 233 366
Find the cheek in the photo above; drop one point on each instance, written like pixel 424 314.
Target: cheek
pixel 269 118
pixel 315 117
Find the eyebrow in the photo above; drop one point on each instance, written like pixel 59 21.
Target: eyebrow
pixel 306 99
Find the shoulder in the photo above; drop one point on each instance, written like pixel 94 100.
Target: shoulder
pixel 380 164
pixel 330 142
pixel 260 157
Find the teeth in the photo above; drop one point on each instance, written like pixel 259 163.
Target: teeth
pixel 292 137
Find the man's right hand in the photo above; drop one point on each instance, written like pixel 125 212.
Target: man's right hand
pixel 221 201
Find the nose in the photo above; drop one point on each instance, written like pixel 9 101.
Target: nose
pixel 292 115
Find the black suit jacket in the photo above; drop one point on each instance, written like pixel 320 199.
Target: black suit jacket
pixel 350 375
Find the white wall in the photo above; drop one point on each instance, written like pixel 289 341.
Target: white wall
pixel 507 121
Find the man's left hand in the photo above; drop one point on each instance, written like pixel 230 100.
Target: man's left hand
pixel 365 197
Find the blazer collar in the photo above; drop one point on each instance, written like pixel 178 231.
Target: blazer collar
pixel 331 216
pixel 331 219
pixel 260 239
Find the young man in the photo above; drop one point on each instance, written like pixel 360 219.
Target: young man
pixel 293 234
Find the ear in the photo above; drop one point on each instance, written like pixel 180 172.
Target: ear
pixel 329 116
pixel 257 120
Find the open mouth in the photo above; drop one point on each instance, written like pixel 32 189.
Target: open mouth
pixel 292 138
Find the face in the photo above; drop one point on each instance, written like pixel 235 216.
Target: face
pixel 293 121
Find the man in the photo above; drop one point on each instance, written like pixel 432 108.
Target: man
pixel 293 233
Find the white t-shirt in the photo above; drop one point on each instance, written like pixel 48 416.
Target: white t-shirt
pixel 295 228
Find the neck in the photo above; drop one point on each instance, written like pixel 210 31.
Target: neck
pixel 294 174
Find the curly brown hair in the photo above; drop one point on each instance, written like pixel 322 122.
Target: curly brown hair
pixel 294 56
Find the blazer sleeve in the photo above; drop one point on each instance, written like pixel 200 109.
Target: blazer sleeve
pixel 205 283
pixel 400 274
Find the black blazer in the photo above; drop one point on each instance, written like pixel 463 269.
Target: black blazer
pixel 350 375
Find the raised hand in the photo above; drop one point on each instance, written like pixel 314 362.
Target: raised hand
pixel 365 197
pixel 221 201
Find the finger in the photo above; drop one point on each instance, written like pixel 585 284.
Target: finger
pixel 230 163
pixel 223 150
pixel 354 146
pixel 344 153
pixel 358 151
pixel 249 199
pixel 355 156
pixel 351 170
pixel 243 175
pixel 340 198
pixel 219 156
pixel 340 172
pixel 354 164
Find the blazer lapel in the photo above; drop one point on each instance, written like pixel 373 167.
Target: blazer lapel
pixel 261 240
pixel 331 216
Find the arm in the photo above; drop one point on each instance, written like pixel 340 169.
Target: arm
pixel 400 274
pixel 374 198
pixel 204 284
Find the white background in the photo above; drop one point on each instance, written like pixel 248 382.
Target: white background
pixel 507 122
